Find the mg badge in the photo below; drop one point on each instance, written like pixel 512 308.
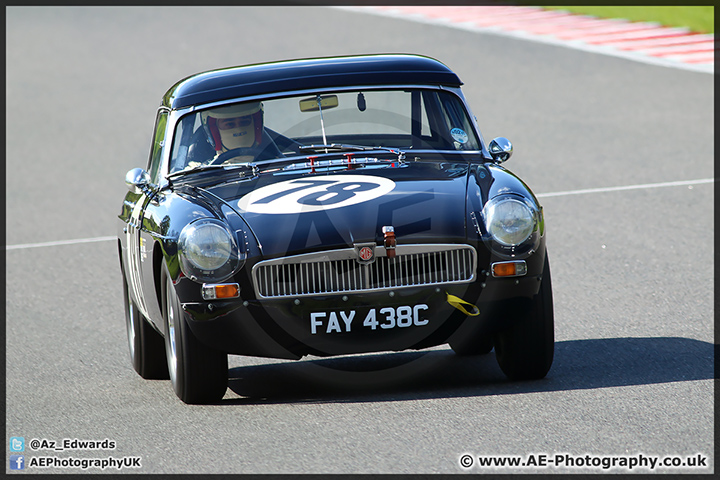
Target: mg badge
pixel 365 253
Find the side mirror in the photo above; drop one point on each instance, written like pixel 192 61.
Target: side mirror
pixel 501 149
pixel 137 180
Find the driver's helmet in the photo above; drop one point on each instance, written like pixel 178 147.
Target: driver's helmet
pixel 234 126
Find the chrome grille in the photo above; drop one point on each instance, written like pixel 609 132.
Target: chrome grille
pixel 338 271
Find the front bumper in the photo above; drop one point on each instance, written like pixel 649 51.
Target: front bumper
pixel 394 320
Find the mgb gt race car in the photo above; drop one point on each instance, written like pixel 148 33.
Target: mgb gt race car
pixel 326 207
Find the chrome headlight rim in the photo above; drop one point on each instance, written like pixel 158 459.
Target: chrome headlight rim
pixel 208 251
pixel 511 242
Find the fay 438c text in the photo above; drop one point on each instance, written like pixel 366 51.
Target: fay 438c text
pixel 383 318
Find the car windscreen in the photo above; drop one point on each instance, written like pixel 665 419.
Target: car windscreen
pixel 419 119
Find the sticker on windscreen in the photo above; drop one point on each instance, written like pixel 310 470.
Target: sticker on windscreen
pixel 315 193
pixel 459 135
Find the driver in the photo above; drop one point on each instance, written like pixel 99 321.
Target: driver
pixel 236 127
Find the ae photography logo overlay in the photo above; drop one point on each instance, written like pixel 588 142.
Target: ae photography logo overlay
pixel 24 462
pixel 587 462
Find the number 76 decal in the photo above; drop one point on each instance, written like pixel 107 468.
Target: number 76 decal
pixel 314 194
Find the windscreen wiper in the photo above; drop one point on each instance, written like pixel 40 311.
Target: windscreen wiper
pixel 344 147
pixel 335 147
pixel 205 167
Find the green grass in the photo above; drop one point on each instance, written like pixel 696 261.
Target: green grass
pixel 696 18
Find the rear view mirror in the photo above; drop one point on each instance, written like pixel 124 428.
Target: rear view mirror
pixel 311 104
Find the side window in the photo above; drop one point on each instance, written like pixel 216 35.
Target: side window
pixel 449 125
pixel 435 132
pixel 190 146
pixel 460 127
pixel 158 145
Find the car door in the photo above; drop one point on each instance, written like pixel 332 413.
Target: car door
pixel 137 236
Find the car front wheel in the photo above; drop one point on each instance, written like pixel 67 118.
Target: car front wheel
pixel 147 350
pixel 525 351
pixel 199 374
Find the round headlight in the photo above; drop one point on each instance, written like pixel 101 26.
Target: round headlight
pixel 207 250
pixel 509 221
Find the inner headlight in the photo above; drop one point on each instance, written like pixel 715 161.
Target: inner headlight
pixel 208 251
pixel 510 221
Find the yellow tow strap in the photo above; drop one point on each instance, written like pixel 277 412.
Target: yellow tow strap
pixel 460 304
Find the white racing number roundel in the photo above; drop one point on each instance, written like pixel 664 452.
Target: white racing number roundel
pixel 315 193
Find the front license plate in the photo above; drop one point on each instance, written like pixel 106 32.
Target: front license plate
pixel 386 318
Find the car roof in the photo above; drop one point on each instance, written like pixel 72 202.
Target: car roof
pixel 311 73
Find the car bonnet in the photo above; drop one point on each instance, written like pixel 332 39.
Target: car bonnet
pixel 299 212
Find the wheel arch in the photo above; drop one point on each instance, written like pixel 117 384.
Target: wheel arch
pixel 120 257
pixel 158 273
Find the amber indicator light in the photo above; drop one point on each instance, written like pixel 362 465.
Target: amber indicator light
pixel 227 291
pixel 504 269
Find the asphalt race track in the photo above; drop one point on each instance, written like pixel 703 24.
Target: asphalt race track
pixel 632 267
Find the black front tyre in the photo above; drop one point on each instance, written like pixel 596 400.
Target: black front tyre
pixel 147 347
pixel 199 374
pixel 525 351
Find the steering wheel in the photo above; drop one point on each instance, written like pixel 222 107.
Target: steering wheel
pixel 284 143
pixel 235 152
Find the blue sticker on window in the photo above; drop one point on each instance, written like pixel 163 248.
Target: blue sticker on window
pixel 459 135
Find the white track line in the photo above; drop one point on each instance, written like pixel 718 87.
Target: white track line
pixel 60 242
pixel 540 195
pixel 626 187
